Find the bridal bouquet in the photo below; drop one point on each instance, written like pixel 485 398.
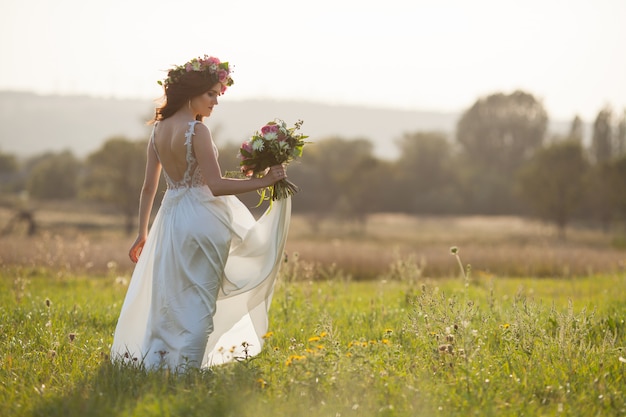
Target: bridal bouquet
pixel 273 144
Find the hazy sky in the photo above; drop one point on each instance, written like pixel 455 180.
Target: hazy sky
pixel 415 54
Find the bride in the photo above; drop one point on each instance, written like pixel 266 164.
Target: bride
pixel 205 272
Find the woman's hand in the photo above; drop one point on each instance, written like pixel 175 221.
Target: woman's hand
pixel 136 249
pixel 275 174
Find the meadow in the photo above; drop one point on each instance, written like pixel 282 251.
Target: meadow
pixel 375 321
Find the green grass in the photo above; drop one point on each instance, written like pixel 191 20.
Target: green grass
pixel 405 347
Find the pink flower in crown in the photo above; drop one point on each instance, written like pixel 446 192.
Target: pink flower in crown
pixel 222 75
pixel 212 60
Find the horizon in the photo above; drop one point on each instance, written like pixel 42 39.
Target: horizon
pixel 424 56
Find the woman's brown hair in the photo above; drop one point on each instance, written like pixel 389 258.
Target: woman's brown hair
pixel 178 94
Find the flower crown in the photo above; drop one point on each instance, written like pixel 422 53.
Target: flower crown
pixel 209 66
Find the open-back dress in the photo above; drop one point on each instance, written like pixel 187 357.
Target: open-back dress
pixel 201 290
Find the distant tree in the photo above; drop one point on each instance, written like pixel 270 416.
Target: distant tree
pixel 503 130
pixel 425 174
pixel 576 132
pixel 599 194
pixel 54 176
pixel 598 197
pixel 338 177
pixel 8 170
pixel 552 182
pixel 617 183
pixel 620 137
pixel 114 174
pixel 8 163
pixel 601 141
pixel 497 134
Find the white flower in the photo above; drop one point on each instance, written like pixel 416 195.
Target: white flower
pixel 271 136
pixel 258 144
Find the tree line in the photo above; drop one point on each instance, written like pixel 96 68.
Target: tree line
pixel 500 161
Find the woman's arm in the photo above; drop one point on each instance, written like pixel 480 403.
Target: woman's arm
pixel 146 200
pixel 207 159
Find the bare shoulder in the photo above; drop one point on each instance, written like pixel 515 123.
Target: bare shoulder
pixel 202 132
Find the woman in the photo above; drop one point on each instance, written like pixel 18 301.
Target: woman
pixel 201 289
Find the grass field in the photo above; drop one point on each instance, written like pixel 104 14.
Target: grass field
pixel 364 322
pixel 496 347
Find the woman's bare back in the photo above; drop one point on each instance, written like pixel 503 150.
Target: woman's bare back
pixel 169 141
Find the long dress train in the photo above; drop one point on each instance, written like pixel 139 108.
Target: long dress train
pixel 201 290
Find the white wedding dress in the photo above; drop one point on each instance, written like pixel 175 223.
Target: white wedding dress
pixel 201 290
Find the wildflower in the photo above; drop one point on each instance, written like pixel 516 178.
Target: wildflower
pixel 506 326
pixel 294 358
pixel 454 250
pixel 622 360
pixel 446 348
pixel 349 354
pixel 121 281
pixel 261 382
pixel 320 347
pixel 71 336
pixel 48 302
pixel 323 334
pixel 388 331
pixel 314 339
pixel 268 335
pixel 385 342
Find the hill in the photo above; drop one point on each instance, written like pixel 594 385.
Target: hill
pixel 32 124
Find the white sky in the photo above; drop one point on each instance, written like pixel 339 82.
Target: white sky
pixel 411 54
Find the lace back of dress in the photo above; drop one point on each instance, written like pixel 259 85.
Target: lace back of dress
pixel 192 176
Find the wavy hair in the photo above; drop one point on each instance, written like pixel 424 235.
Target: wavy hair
pixel 178 94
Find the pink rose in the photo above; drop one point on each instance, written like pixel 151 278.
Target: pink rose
pixel 247 146
pixel 269 129
pixel 221 75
